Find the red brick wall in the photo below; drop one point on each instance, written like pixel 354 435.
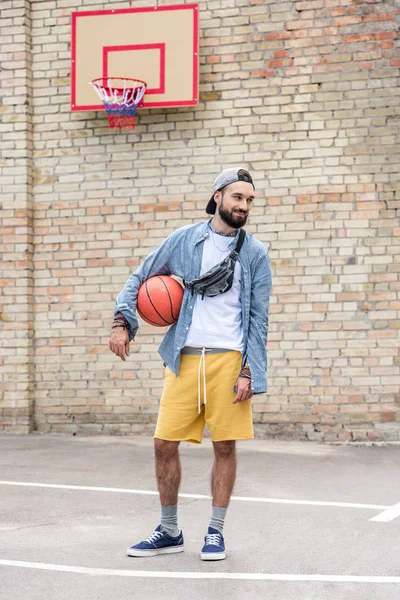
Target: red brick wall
pixel 16 219
pixel 304 94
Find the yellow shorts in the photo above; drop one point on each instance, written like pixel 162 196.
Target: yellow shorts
pixel 183 397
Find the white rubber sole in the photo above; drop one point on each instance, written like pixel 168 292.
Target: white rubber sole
pixel 212 555
pixel 171 550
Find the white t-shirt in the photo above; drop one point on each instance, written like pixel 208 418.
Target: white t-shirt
pixel 217 321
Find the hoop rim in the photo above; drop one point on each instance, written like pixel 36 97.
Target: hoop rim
pixel 95 81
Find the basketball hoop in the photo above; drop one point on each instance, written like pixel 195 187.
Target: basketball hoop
pixel 121 97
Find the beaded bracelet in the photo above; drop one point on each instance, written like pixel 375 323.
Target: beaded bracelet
pixel 120 319
pixel 241 374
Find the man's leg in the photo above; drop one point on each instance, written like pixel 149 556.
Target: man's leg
pixel 168 473
pixel 223 472
pixel 168 470
pixel 222 482
pixel 166 538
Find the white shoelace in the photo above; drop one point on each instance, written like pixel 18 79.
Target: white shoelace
pixel 154 537
pixel 213 539
pixel 202 362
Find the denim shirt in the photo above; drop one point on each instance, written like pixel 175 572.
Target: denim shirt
pixel 181 254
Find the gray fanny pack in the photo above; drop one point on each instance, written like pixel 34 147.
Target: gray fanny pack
pixel 219 279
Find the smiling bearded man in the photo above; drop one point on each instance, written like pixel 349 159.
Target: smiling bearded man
pixel 215 355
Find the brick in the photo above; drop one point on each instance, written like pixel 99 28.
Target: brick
pixel 352 20
pixel 379 17
pixel 359 37
pixel 309 5
pixel 302 24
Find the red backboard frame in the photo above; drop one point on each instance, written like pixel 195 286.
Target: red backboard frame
pixel 193 101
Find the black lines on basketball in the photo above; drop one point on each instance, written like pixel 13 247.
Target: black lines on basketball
pixel 149 321
pixel 173 318
pixel 152 304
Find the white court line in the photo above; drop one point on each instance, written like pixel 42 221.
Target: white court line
pixel 388 515
pixel 196 496
pixel 202 575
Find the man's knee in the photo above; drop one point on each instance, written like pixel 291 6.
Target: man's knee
pixel 225 449
pixel 165 449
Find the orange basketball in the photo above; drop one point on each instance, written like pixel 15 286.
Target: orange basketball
pixel 159 300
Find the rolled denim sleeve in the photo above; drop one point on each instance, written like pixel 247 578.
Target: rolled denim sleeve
pixel 156 263
pixel 256 351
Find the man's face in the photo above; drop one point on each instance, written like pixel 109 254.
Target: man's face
pixel 234 203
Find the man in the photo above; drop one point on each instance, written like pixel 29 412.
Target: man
pixel 215 355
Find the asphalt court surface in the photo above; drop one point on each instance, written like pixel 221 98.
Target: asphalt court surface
pixel 299 526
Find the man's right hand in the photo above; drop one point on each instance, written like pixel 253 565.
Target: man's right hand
pixel 119 342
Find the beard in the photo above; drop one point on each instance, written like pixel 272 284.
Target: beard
pixel 231 218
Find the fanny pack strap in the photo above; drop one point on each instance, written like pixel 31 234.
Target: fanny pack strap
pixel 242 235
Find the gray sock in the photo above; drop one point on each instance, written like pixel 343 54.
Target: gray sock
pixel 218 518
pixel 169 519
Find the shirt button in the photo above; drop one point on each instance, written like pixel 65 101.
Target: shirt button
pixel 191 307
pixel 177 347
pixel 187 328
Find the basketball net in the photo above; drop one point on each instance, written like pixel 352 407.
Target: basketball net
pixel 120 97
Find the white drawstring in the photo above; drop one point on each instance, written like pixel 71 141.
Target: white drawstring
pixel 202 361
pixel 204 377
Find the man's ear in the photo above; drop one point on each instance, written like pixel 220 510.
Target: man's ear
pixel 217 197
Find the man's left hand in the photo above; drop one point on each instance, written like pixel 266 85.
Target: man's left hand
pixel 243 390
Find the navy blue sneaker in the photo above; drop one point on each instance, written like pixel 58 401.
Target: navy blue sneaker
pixel 159 542
pixel 214 546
